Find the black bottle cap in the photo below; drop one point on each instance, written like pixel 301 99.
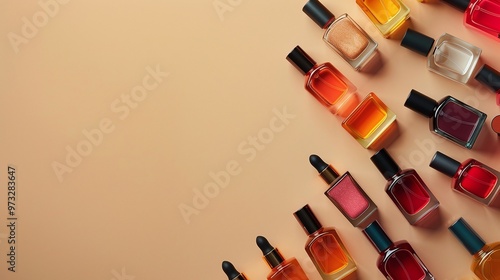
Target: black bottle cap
pixel 307 219
pixel 377 236
pixel 489 77
pixel 318 163
pixel 421 103
pixel 417 42
pixel 325 171
pixel 385 164
pixel 301 60
pixel 231 272
pixel 459 4
pixel 318 12
pixel 469 238
pixel 444 164
pixel 272 255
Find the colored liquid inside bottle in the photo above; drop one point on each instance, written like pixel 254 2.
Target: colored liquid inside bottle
pixel 457 121
pixel 410 194
pixel 328 86
pixel 485 16
pixel 383 10
pixel 478 181
pixel 329 254
pixel 402 265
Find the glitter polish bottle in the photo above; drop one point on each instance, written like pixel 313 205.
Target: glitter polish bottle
pixel 481 15
pixel 485 257
pixel 449 118
pixel 471 178
pixel 324 247
pixel 452 57
pixel 325 83
pixel 346 194
pixel 386 15
pixel 405 188
pixel 397 260
pixel 343 35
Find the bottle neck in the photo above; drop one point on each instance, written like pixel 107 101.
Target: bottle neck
pixel 274 258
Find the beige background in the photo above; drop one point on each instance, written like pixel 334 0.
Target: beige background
pixel 116 214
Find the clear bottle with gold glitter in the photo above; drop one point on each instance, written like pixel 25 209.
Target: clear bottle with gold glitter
pixel 343 35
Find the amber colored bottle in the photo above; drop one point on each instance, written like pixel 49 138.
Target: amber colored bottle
pixel 386 15
pixel 485 257
pixel 369 121
pixel 324 247
pixel 281 268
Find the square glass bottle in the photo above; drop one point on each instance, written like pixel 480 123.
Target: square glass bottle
pixel 346 194
pixel 485 257
pixel 481 15
pixel 369 121
pixel 386 15
pixel 452 57
pixel 332 89
pixel 397 260
pixel 471 178
pixel 343 35
pixel 325 248
pixel 405 188
pixel 449 118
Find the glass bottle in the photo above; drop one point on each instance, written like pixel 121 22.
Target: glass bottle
pixel 342 34
pixel 324 247
pixel 325 83
pixel 346 194
pixel 281 268
pixel 405 188
pixel 397 260
pixel 481 15
pixel 452 57
pixel 369 121
pixel 449 118
pixel 386 15
pixel 485 257
pixel 231 272
pixel 471 178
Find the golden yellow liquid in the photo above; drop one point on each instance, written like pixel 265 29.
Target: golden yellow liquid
pixel 486 264
pixel 382 10
pixel 366 118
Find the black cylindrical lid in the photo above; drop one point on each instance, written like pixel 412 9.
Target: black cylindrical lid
pixel 307 219
pixel 489 77
pixel 459 4
pixel 385 164
pixel 469 238
pixel 421 103
pixel 318 12
pixel 301 60
pixel 377 236
pixel 417 42
pixel 444 164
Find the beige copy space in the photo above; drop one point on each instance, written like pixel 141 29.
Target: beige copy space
pixel 116 114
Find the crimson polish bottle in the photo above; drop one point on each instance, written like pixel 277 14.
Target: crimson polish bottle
pixel 481 15
pixel 449 118
pixel 471 178
pixel 397 260
pixel 406 189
